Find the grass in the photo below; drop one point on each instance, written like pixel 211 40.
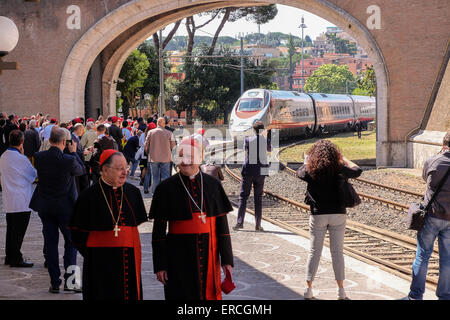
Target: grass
pixel 349 144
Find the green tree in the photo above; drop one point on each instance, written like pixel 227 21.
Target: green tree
pixel 308 40
pixel 218 79
pixel 173 87
pixel 367 83
pixel 151 83
pixel 134 73
pixel 208 110
pixel 330 78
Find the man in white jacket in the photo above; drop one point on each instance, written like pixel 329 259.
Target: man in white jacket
pixel 17 176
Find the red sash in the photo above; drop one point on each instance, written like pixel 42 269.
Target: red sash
pixel 196 226
pixel 128 238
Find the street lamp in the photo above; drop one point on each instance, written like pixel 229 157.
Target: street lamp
pixel 161 76
pixel 303 26
pixel 9 36
pixel 147 97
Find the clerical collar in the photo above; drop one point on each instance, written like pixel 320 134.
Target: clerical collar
pixel 108 184
pixel 191 177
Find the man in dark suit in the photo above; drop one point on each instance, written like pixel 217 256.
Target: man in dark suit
pixel 9 126
pixel 32 142
pixel 115 132
pixel 254 170
pixel 103 142
pixel 54 198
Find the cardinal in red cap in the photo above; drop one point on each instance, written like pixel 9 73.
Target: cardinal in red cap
pixel 106 154
pixel 104 229
pixel 189 264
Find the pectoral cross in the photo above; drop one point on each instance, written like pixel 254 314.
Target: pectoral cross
pixel 203 217
pixel 116 230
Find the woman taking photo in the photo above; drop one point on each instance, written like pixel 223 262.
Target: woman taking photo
pixel 322 165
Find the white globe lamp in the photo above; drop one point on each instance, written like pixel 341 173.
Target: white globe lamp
pixel 9 36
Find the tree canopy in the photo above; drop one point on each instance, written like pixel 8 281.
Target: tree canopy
pixel 367 83
pixel 212 85
pixel 134 74
pixel 331 78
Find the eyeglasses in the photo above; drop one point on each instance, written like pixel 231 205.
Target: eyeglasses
pixel 119 168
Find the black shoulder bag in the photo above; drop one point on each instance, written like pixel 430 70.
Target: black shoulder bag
pixel 346 193
pixel 415 218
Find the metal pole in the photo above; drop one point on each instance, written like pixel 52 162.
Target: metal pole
pixel 302 62
pixel 161 77
pixel 303 26
pixel 242 65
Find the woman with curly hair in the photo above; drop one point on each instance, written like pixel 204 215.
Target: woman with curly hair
pixel 322 165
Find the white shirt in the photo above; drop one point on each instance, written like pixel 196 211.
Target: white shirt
pixel 16 175
pixel 140 152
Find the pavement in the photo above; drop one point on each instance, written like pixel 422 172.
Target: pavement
pixel 269 265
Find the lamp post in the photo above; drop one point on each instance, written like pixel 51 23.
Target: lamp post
pixel 9 36
pixel 147 99
pixel 161 76
pixel 242 64
pixel 303 26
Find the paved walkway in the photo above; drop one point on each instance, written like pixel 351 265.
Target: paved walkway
pixel 268 265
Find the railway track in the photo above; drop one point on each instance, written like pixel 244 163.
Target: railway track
pixel 414 196
pixel 387 250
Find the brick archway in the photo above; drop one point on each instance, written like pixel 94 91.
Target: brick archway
pixel 106 30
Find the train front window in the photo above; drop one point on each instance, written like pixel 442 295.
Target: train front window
pixel 253 104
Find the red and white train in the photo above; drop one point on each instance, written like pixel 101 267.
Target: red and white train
pixel 297 114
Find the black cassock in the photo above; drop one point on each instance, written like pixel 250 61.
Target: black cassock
pixel 190 250
pixel 111 267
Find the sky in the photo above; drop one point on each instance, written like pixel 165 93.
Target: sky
pixel 287 21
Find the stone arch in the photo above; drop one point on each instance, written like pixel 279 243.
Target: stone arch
pixel 89 46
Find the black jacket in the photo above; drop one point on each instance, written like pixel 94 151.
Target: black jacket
pixel 116 133
pixel 322 195
pixel 56 191
pixel 32 142
pixel 256 162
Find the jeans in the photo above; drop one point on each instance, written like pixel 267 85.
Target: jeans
pixel 246 187
pixel 134 164
pixel 159 172
pixel 318 226
pixel 52 224
pixel 432 228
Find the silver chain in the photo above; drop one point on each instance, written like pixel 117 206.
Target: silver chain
pixel 201 191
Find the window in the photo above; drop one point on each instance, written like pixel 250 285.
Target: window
pixel 250 104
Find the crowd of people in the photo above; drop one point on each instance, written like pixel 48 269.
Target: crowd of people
pixel 81 168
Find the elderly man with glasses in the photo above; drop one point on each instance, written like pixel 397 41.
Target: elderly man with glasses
pixel 104 230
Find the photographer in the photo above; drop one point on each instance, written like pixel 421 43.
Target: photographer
pixel 54 198
pixel 437 225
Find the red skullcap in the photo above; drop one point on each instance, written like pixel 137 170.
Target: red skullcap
pixel 114 119
pixel 190 141
pixel 106 154
pixel 151 125
pixel 90 120
pixel 201 131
